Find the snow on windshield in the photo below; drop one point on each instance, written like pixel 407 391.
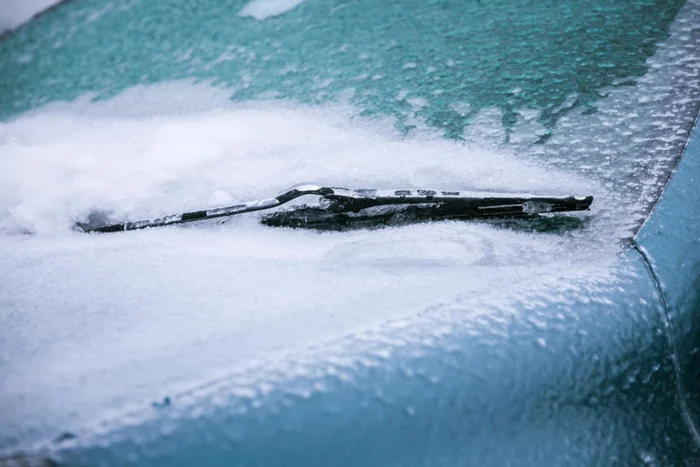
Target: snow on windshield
pixel 102 155
pixel 263 9
pixel 238 285
pixel 14 13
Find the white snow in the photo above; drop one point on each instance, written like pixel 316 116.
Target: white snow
pixel 263 9
pixel 219 297
pixel 104 156
pixel 14 13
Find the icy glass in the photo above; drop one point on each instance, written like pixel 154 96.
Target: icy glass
pixel 569 82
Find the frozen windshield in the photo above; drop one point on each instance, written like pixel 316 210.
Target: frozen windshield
pixel 142 108
pixel 601 89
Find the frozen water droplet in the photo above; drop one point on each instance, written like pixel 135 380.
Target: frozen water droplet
pixel 536 207
pixel 647 457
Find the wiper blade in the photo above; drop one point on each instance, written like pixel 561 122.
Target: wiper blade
pixel 343 205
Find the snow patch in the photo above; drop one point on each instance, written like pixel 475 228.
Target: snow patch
pixel 14 13
pixel 218 297
pixel 263 9
pixel 158 160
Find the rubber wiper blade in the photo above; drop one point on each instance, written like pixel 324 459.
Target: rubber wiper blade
pixel 477 203
pixel 368 208
pixel 343 205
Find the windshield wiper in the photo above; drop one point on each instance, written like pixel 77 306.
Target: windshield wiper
pixel 343 206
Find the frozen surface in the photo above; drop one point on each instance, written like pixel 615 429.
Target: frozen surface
pixel 93 326
pixel 14 13
pixel 95 317
pixel 631 143
pixel 141 165
pixel 263 9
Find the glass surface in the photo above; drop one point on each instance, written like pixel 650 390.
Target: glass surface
pixel 549 78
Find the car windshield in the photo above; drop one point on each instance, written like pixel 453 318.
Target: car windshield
pixel 554 82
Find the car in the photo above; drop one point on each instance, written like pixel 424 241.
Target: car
pixel 546 340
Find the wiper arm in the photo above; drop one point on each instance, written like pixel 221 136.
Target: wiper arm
pixel 97 221
pixel 346 205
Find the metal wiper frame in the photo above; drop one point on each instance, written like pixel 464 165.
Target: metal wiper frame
pixel 346 205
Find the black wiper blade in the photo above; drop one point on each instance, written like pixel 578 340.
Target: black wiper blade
pixel 368 209
pixel 343 206
pixel 466 202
